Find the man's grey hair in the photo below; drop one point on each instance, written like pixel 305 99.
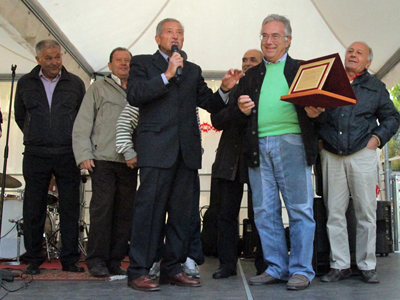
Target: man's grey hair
pixel 279 18
pixel 161 23
pixel 370 55
pixel 45 44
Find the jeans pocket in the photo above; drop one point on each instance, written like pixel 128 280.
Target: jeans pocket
pixel 293 139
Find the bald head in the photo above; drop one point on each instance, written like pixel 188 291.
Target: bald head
pixel 251 58
pixel 358 58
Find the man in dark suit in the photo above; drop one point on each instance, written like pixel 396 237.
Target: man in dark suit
pixel 169 154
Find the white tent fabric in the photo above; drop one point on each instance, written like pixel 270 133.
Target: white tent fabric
pixel 217 33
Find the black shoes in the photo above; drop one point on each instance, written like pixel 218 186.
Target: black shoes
pixel 335 275
pixel 99 271
pixel 76 268
pixel 118 270
pixel 369 276
pixel 32 269
pixel 223 273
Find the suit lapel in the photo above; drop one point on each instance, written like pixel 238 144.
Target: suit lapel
pixel 162 65
pixel 160 62
pixel 185 71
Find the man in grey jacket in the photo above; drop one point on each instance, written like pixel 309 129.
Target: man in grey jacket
pixel 113 179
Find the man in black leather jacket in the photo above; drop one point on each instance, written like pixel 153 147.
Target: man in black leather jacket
pixel 229 174
pixel 46 104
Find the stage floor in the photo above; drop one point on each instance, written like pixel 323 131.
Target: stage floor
pixel 235 287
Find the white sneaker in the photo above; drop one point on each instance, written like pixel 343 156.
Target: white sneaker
pixel 191 268
pixel 154 272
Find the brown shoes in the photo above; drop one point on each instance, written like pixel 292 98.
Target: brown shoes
pixel 298 282
pixel 180 279
pixel 335 275
pixel 144 283
pixel 264 278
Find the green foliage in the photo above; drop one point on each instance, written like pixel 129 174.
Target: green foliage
pixel 394 143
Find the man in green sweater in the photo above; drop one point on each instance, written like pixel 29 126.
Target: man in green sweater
pixel 281 147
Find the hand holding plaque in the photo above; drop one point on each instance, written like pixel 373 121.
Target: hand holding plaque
pixel 321 82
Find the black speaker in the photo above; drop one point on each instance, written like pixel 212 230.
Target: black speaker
pixel 248 242
pixel 384 241
pixel 321 242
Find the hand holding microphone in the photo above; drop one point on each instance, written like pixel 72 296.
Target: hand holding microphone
pixel 175 64
pixel 178 74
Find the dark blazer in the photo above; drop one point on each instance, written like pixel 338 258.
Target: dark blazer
pixel 229 160
pixel 168 121
pixel 251 85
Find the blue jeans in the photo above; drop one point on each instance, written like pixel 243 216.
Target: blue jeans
pixel 283 169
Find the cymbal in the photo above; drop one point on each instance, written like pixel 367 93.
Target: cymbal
pixel 11 182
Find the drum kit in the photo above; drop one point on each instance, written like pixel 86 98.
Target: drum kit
pixel 12 242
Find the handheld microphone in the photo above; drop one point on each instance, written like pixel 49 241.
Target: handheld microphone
pixel 178 73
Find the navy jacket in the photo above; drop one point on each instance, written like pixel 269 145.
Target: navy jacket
pixel 347 129
pixel 168 124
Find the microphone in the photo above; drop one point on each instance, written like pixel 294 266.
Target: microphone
pixel 178 73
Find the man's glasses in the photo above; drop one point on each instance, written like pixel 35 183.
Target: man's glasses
pixel 274 37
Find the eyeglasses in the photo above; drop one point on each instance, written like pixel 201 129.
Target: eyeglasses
pixel 274 37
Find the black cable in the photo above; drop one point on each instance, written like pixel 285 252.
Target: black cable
pixel 24 285
pixel 8 231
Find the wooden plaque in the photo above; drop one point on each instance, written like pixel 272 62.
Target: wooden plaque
pixel 321 82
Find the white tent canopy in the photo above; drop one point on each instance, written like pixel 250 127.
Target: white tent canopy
pixel 217 33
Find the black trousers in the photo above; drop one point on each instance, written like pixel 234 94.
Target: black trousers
pixel 37 174
pixel 161 191
pixel 195 249
pixel 113 192
pixel 228 199
pixel 230 193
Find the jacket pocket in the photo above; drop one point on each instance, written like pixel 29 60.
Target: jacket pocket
pixel 152 127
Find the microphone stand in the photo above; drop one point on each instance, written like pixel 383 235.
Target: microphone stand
pixel 4 273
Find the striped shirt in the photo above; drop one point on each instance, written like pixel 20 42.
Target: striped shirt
pixel 126 124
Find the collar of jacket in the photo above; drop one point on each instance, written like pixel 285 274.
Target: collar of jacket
pixel 367 81
pixel 115 85
pixel 35 73
pixel 162 64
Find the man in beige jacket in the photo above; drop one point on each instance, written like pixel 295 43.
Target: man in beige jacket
pixel 113 178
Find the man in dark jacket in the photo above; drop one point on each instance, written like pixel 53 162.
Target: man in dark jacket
pixel 229 174
pixel 46 103
pixel 169 154
pixel 350 137
pixel 281 147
